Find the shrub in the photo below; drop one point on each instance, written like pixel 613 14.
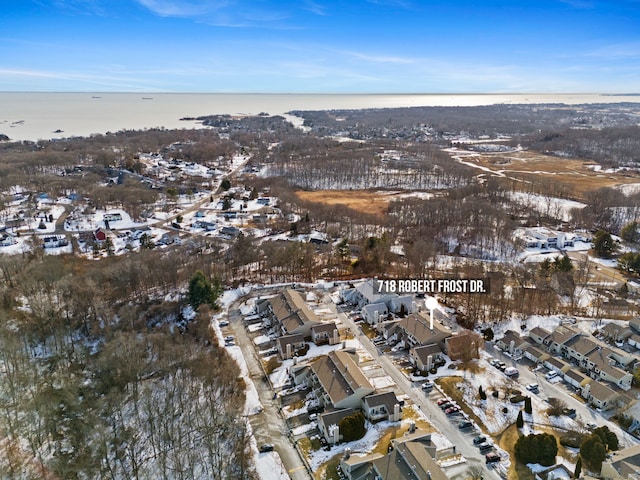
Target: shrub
pixel 541 448
pixel 352 427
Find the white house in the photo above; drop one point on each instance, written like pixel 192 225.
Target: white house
pixel 374 313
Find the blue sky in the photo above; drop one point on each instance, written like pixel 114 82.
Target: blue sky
pixel 309 46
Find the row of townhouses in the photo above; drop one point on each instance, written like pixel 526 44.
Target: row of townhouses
pixel 603 371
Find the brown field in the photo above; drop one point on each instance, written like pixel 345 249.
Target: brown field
pixel 372 202
pixel 576 175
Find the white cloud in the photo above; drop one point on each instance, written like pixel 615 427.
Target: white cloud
pixel 314 7
pixel 184 8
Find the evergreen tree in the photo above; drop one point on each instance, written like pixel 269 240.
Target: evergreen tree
pixel 630 233
pixel 527 405
pixel 603 244
pixel 520 420
pixel 203 291
pixel 578 470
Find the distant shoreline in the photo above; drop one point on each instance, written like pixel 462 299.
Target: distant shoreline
pixel 47 116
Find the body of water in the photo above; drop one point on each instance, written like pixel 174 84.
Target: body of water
pixel 35 116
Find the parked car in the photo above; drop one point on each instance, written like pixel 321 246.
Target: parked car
pixel 428 385
pixel 533 387
pixel 465 425
pixel 479 439
pixel 223 323
pixel 492 457
pixel 551 375
pixel 591 426
pixel 443 400
pixel 485 447
pixel 511 372
pixel 266 447
pixel 447 405
pixel 452 410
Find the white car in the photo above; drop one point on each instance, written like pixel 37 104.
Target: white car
pixel 533 387
pixel 551 375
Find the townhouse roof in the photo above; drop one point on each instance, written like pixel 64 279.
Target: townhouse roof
pixel 291 310
pixel 412 457
pixel 600 356
pixel 634 323
pixel 613 371
pixel 600 391
pixel 334 417
pixel 581 344
pixel 511 335
pixel 388 399
pixel 418 326
pixel 366 290
pixel 616 331
pixel 422 352
pixel 559 364
pixel 627 462
pixel 293 339
pixel 540 332
pixel 539 354
pixel 324 328
pixel 576 375
pixel 339 375
pixel 561 334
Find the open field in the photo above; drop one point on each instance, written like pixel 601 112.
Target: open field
pixel 578 176
pixel 372 202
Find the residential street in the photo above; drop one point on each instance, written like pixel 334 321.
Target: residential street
pixel 269 425
pixel 462 441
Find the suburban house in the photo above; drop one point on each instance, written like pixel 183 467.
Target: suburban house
pixel 513 343
pixel 535 354
pixel 290 345
pixel 614 375
pixel 6 239
pixel 634 340
pixel 290 313
pixel 538 334
pixel 577 348
pixel 622 464
pixel 416 330
pixel 402 304
pixel 634 324
pixel 600 395
pixel 54 241
pixel 337 381
pixel 100 234
pixel 328 424
pixel 425 357
pixel 556 339
pixel 557 365
pixel 410 457
pixel 616 333
pixel 382 406
pixel 463 345
pixel 576 379
pixel 229 232
pixel 324 333
pixel 364 293
pixel 374 313
pixel 554 472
